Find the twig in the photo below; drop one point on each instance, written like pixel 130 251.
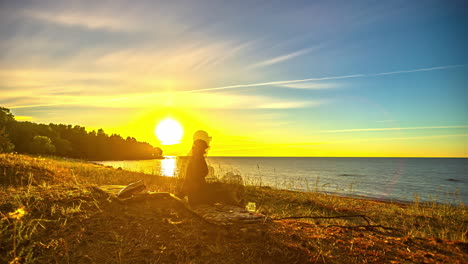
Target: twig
pixel 367 219
pixel 365 226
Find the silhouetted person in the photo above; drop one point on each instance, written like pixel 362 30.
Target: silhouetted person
pixel 194 183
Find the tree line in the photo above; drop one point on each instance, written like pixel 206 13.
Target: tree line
pixel 69 141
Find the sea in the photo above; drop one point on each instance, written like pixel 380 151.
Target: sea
pixel 441 180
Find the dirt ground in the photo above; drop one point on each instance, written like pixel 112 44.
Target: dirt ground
pixel 148 232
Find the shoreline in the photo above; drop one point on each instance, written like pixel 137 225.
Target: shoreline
pixel 451 201
pixel 52 203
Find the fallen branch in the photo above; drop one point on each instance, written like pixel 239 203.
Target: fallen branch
pixel 364 226
pixel 138 198
pixel 367 219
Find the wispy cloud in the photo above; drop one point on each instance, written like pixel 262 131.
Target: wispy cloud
pixel 187 58
pixel 23 118
pixel 392 128
pixel 167 99
pixel 280 58
pixel 375 139
pixel 77 19
pixel 422 137
pixel 274 104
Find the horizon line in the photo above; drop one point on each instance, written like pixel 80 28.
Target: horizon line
pixel 380 157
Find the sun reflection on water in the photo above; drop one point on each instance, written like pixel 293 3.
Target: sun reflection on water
pixel 168 166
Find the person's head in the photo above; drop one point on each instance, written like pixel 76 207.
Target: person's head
pixel 199 147
pixel 202 135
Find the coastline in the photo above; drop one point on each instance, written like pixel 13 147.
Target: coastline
pixel 71 221
pixel 320 175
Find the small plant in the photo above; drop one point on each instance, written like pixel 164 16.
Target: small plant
pixel 16 216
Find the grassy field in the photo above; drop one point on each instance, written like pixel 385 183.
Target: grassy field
pixel 50 214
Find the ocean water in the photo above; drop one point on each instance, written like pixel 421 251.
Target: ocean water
pixel 443 180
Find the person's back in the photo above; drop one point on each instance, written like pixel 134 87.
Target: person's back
pixel 197 170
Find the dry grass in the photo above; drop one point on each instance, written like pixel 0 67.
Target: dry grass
pixel 66 222
pixel 428 219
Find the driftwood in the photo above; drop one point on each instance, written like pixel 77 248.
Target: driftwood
pixel 217 214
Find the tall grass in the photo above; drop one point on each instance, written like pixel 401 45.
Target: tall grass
pixel 419 219
pixel 53 193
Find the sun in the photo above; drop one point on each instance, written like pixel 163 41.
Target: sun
pixel 169 132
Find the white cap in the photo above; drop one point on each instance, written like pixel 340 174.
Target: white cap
pixel 201 134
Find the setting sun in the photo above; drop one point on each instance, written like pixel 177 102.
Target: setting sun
pixel 169 132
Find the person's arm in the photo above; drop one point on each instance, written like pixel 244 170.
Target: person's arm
pixel 204 169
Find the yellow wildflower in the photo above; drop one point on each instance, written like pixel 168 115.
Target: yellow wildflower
pixel 15 261
pixel 18 213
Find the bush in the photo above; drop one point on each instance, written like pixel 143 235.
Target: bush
pixel 42 145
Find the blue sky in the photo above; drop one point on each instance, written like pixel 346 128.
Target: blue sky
pixel 262 76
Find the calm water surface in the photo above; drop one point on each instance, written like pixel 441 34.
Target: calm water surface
pixel 444 180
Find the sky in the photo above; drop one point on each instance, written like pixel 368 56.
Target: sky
pixel 263 78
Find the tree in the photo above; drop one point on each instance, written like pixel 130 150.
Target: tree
pixel 157 152
pixel 69 141
pixel 42 145
pixel 5 144
pixel 62 146
pixel 6 117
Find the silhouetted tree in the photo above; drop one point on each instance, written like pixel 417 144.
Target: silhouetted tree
pixel 5 143
pixel 6 120
pixel 69 141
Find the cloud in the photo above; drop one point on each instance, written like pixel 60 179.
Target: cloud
pixel 392 128
pixel 184 57
pixel 375 139
pixel 280 58
pixel 166 99
pixel 90 21
pixel 23 118
pixel 422 137
pixel 271 103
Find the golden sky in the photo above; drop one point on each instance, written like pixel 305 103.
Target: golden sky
pixel 286 79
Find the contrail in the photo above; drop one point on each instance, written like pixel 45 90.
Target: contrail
pixel 274 83
pixel 323 78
